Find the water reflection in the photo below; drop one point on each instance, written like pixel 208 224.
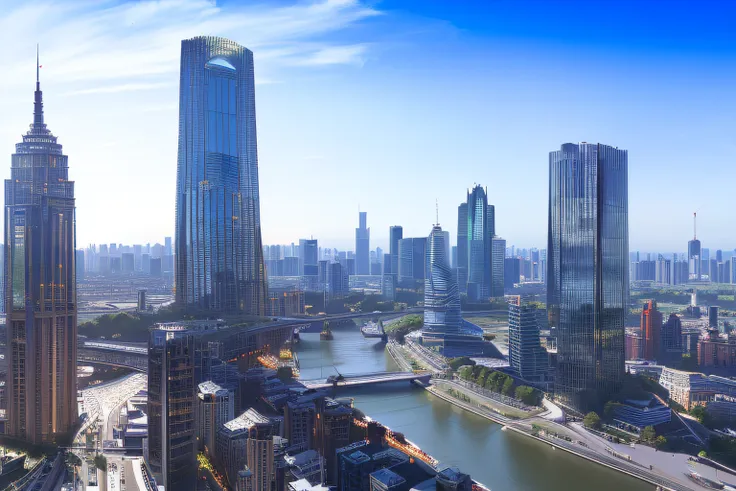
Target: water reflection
pixel 501 460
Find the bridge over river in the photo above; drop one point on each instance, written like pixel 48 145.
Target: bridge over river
pixel 366 379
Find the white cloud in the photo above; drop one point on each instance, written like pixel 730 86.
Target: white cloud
pixel 85 42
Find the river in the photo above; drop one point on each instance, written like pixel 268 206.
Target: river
pixel 501 460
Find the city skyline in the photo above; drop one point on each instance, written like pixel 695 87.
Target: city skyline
pixel 337 44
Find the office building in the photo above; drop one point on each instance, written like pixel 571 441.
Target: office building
pixel 40 287
pixel 285 302
pixel 248 441
pixel 412 261
pixel 332 431
pixel 671 346
pixel 480 230
pixel 511 272
pixel 171 407
pixel 308 257
pixel 633 344
pixel 713 317
pixel 218 244
pixel 215 407
pixel 338 285
pixel 587 270
pixel 362 245
pixel 462 247
pixel 396 233
pixel 527 357
pixel 78 260
pixel 716 351
pixel 498 253
pixel 441 296
pixel 694 254
pixel 651 328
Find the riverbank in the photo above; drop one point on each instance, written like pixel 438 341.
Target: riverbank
pixel 613 463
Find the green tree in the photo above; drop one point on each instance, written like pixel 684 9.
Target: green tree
pixel 648 434
pixel 528 395
pixel 592 420
pixel 101 462
pixel 698 412
pixel 456 363
pixel 609 410
pixel 466 373
pixel 703 454
pixel 660 442
pixel 508 386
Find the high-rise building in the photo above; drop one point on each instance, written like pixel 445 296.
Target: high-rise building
pixel 511 272
pixel 40 287
pixel 362 245
pixel 248 440
pixel 671 347
pixel 651 329
pixel 587 270
pixel 694 254
pixel 498 253
pixel 480 231
pixel 80 264
pixel 171 414
pixel 219 252
pixel 396 233
pixel 462 247
pixel 215 407
pixel 527 357
pixel 441 296
pixel 308 257
pixel 412 260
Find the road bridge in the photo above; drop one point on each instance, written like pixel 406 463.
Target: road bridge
pixel 366 379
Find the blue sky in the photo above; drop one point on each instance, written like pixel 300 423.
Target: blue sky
pixel 388 106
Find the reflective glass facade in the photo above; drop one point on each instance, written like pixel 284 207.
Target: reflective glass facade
pixel 587 270
pixel 219 255
pixel 40 287
pixel 171 418
pixel 441 295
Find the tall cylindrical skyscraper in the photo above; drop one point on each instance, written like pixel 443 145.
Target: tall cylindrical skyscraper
pixel 40 287
pixel 587 270
pixel 219 254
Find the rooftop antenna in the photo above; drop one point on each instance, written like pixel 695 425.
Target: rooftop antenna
pixel 695 226
pixel 437 211
pixel 38 65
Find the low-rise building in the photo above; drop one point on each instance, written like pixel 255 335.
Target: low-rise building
pixel 641 413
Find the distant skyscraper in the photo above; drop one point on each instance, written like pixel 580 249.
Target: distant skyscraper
pixel 651 330
pixel 309 253
pixel 40 287
pixel 587 270
pixel 171 417
pixel 396 233
pixel 694 254
pixel 462 247
pixel 527 357
pixel 362 245
pixel 498 253
pixel 480 232
pixel 219 252
pixel 441 296
pixel 412 260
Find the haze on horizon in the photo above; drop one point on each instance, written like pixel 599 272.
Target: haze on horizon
pixel 388 107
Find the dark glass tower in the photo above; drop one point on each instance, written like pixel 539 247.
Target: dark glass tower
pixel 40 287
pixel 362 245
pixel 587 270
pixel 171 418
pixel 219 255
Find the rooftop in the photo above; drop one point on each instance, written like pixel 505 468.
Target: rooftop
pixel 387 477
pixel 247 420
pixel 211 388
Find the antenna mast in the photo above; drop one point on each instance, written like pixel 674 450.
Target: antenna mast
pixel 695 226
pixel 437 211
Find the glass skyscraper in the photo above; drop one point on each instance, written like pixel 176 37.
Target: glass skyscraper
pixel 40 287
pixel 476 228
pixel 441 295
pixel 587 270
pixel 219 255
pixel 362 245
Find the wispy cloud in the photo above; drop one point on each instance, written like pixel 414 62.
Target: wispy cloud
pixel 113 89
pixel 86 43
